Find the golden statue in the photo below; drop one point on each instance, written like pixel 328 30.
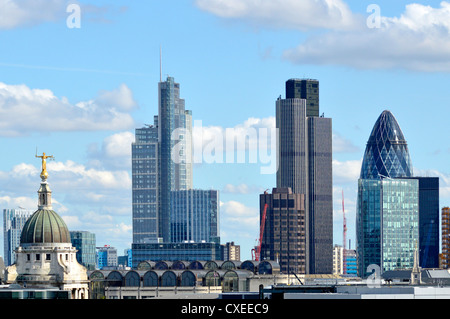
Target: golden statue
pixel 44 174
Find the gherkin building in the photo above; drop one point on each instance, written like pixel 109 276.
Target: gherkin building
pixel 387 152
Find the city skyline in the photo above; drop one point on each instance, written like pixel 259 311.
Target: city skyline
pixel 79 94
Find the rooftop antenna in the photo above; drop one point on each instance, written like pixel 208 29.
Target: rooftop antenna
pixel 160 63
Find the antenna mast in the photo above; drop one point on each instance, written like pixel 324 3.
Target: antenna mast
pixel 160 63
pixel 344 252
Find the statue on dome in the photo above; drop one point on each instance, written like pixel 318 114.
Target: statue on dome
pixel 44 174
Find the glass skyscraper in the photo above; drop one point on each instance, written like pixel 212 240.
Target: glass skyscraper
pixel 305 166
pixel 145 178
pixel 195 216
pixel 393 206
pixel 166 208
pixel 85 243
pixel 13 222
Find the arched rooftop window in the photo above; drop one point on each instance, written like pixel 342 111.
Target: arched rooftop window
pixel 168 279
pixel 196 265
pixel 132 279
pixel 268 268
pixel 96 275
pixel 179 265
pixel 114 279
pixel 162 265
pixel 250 265
pixel 188 279
pixel 213 278
pixel 146 265
pixel 230 264
pixel 211 265
pixel 150 279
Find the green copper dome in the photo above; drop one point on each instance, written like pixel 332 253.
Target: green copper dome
pixel 45 227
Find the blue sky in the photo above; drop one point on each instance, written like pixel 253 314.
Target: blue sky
pixel 79 93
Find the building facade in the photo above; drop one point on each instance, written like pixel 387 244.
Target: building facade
pixel 107 257
pixel 195 216
pixel 85 244
pixel 285 231
pixel 445 237
pixel 162 167
pixel 231 251
pixel 305 166
pixel 428 221
pixel 145 180
pixel 13 222
pixel 396 212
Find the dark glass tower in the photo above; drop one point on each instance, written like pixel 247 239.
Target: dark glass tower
pixel 306 89
pixel 305 166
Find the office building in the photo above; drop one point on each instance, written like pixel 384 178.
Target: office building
pixel 305 166
pixel 107 257
pixel 166 208
pixel 145 179
pixel 195 216
pixel 338 260
pixel 445 237
pixel 231 252
pixel 85 244
pixel 428 221
pixel 174 172
pixel 285 234
pixel 161 163
pixel 396 211
pixel 13 222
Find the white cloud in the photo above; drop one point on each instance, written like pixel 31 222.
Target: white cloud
pixel 242 189
pixel 18 202
pixel 346 171
pixel 418 40
pixel 28 13
pixel 294 14
pixel 343 145
pixel 114 153
pixel 24 110
pixel 77 176
pixel 236 215
pixel 121 98
pixel 16 13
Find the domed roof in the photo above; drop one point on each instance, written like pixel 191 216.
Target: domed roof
pixel 43 227
pixel 387 152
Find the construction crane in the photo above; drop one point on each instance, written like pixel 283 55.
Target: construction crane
pixel 256 252
pixel 344 246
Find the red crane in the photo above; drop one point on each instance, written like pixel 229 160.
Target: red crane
pixel 256 253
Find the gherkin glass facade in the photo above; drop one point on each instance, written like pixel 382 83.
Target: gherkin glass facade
pixel 387 222
pixel 387 152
